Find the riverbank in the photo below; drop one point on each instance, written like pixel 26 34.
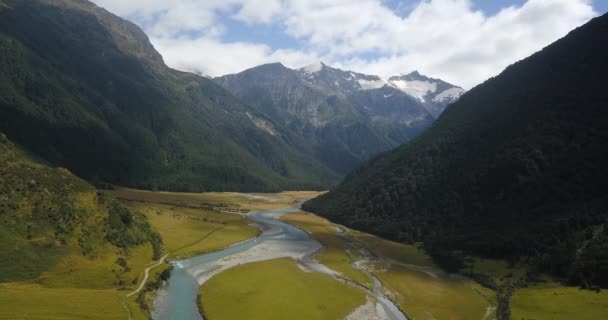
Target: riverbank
pixel 279 240
pixel 340 257
pixel 408 276
pixel 192 224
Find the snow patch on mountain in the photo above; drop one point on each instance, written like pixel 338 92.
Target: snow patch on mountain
pixel 416 88
pixel 313 68
pixel 449 95
pixel 371 84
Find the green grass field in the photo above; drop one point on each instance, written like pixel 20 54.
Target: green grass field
pixel 77 271
pixel 69 257
pixel 187 231
pixel 425 297
pixel 67 252
pixel 69 285
pixel 277 290
pixel 193 223
pixel 32 301
pixel 78 288
pixel 553 302
pixel 220 201
pixel 386 249
pixel 424 291
pixel 421 295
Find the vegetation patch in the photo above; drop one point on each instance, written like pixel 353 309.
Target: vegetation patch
pixel 424 296
pixel 399 252
pixel 217 201
pixel 71 249
pixel 277 289
pixel 554 302
pixel 406 271
pixel 36 302
pixel 187 232
pixel 111 269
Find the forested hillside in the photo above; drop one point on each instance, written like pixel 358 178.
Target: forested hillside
pixel 48 214
pixel 516 169
pixel 86 90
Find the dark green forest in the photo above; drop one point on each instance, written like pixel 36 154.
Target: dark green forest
pixel 85 90
pixel 516 170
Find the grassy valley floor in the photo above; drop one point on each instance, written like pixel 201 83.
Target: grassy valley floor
pixel 274 290
pixel 34 301
pixel 554 302
pixel 424 291
pixel 78 287
pixel 73 286
pixel 196 223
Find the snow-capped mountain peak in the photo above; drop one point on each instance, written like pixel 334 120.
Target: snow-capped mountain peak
pixel 340 81
pixel 433 94
pixel 436 94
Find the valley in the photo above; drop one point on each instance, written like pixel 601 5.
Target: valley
pixel 356 265
pixel 195 226
pixel 262 250
pixel 225 160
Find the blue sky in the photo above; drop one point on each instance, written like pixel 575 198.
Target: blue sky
pixel 274 36
pixel 493 6
pixel 461 41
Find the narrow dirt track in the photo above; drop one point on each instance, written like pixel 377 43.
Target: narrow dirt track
pixel 146 273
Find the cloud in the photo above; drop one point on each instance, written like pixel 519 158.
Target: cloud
pixel 450 39
pixel 258 11
pixel 211 57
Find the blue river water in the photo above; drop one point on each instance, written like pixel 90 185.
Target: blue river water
pixel 178 300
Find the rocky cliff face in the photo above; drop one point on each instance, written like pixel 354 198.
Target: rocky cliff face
pixel 127 36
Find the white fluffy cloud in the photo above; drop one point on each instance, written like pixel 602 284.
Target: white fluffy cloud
pixel 449 39
pixel 209 56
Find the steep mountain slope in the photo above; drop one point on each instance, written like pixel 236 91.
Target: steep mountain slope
pixel 84 89
pixel 344 117
pixel 515 169
pixel 47 214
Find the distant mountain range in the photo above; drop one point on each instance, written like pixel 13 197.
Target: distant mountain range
pixel 85 89
pixel 345 117
pixel 515 169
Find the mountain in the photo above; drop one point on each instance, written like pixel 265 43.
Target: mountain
pixel 435 94
pixel 47 214
pixel 516 169
pixel 344 117
pixel 84 89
